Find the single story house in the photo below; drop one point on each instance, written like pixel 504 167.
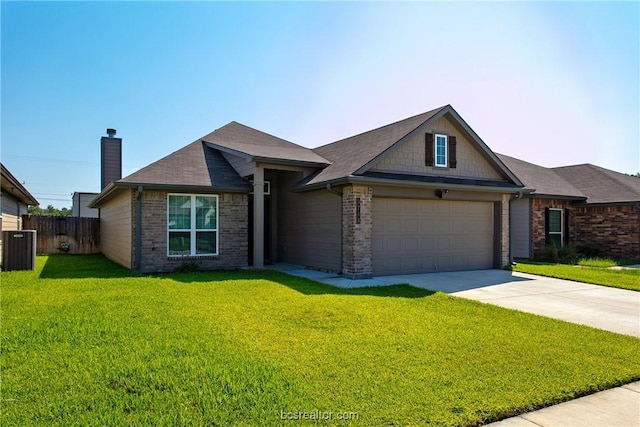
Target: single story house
pixel 582 205
pixel 424 194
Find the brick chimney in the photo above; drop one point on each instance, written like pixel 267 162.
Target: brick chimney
pixel 110 158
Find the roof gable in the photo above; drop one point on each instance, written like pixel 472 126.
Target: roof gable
pixel 240 140
pixel 349 155
pixel 539 180
pixel 359 154
pixel 601 185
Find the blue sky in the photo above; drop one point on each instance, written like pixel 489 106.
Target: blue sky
pixel 548 82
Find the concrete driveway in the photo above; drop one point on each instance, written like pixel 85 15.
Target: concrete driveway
pixel 612 309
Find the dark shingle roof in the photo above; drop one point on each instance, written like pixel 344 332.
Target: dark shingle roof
pixel 543 181
pixel 601 185
pixel 350 154
pixel 239 139
pixel 195 165
pixel 11 185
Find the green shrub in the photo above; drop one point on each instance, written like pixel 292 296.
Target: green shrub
pixel 597 262
pixel 188 267
pixel 566 254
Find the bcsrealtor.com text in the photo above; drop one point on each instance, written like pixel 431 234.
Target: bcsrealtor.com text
pixel 318 415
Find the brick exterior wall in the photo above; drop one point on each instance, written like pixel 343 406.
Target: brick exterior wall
pixel 538 238
pixel 504 231
pixel 614 230
pixel 232 234
pixel 357 250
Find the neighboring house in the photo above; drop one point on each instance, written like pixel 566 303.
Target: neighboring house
pixel 14 201
pixel 582 205
pixel 79 207
pixel 420 195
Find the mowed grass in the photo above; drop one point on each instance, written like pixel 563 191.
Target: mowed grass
pixel 85 342
pixel 587 273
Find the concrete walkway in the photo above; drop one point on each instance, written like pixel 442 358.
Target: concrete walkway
pixel 612 309
pixel 615 407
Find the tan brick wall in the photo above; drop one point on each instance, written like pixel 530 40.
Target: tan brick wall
pixel 504 230
pixel 357 243
pixel 614 230
pixel 410 156
pixel 232 234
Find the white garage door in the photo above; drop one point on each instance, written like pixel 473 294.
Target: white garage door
pixel 418 236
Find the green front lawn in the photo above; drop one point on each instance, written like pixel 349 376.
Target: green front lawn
pixel 85 342
pixel 624 279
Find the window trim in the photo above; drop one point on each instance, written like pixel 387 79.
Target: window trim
pixel 435 150
pixel 561 232
pixel 194 230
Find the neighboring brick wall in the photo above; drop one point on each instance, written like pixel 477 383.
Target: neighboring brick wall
pixel 232 234
pixel 614 230
pixel 538 238
pixel 357 244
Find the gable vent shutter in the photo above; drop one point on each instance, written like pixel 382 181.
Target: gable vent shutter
pixel 453 160
pixel 428 149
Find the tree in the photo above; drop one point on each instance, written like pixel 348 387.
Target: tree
pixel 49 211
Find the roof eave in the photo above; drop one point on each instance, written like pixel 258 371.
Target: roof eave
pixel 263 159
pixel 352 179
pixel 556 196
pixel 289 162
pixel 587 203
pixel 22 193
pixel 202 189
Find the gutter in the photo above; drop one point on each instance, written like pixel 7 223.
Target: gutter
pixel 113 186
pixel 399 183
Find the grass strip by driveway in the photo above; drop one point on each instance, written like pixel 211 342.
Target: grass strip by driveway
pixel 251 348
pixel 623 279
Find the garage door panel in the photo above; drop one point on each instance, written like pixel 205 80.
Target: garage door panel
pixel 412 236
pixel 412 225
pixel 427 225
pixel 411 244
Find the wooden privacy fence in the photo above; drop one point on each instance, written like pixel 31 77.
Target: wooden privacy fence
pixel 71 235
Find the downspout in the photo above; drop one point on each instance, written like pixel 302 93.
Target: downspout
pixel 139 228
pixel 332 191
pixel 516 196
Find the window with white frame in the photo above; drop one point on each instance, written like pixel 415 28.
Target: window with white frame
pixel 440 148
pixel 192 225
pixel 554 227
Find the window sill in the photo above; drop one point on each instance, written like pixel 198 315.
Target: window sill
pixel 193 257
